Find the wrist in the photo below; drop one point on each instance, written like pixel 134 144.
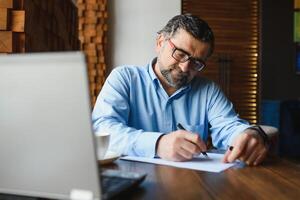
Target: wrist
pixel 157 144
pixel 261 133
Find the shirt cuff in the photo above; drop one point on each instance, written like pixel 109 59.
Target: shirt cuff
pixel 145 145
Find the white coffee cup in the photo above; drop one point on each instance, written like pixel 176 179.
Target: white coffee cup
pixel 102 141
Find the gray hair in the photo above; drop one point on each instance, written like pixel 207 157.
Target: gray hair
pixel 197 27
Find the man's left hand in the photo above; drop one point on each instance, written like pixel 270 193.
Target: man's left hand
pixel 247 147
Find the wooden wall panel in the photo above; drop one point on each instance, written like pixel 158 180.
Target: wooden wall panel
pixel 6 3
pixel 4 18
pixel 234 64
pixel 36 26
pixel 18 20
pixel 6 41
pixel 92 34
pixel 53 25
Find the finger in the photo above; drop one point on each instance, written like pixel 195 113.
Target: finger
pixel 190 147
pixel 260 158
pixel 178 158
pixel 178 155
pixel 252 157
pixel 183 154
pixel 225 158
pixel 239 145
pixel 195 138
pixel 249 149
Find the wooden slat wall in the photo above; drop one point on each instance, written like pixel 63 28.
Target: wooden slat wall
pixel 92 34
pixel 234 64
pixel 52 25
pixel 12 20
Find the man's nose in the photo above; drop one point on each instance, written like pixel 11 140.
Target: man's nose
pixel 184 66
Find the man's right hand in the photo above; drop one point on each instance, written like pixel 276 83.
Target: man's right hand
pixel 179 145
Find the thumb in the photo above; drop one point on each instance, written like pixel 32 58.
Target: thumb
pixel 225 158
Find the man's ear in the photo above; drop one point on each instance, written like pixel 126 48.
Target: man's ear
pixel 159 42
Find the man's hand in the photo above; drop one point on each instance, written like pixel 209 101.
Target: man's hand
pixel 179 145
pixel 247 147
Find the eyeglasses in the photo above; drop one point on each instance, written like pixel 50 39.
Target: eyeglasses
pixel 182 56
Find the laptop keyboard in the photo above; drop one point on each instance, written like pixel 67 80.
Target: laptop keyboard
pixel 114 182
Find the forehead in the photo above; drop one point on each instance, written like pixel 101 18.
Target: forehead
pixel 185 41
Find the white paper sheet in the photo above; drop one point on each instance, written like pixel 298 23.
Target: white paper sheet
pixel 212 164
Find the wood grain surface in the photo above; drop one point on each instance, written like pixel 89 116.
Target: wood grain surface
pixel 275 179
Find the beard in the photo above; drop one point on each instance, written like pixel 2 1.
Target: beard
pixel 174 76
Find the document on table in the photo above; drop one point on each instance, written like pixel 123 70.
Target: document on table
pixel 211 164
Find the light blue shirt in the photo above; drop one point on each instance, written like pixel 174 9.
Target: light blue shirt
pixel 134 107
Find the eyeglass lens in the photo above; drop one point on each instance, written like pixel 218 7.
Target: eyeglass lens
pixel 181 56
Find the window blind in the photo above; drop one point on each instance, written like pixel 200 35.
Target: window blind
pixel 235 62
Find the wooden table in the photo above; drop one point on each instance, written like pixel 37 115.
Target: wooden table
pixel 276 178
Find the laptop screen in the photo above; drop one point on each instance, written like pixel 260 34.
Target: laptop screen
pixel 46 141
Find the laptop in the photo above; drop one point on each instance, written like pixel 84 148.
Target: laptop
pixel 47 146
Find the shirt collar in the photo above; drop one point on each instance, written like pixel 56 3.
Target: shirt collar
pixel 151 71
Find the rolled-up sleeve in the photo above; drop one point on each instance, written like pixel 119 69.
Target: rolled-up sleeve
pixel 111 112
pixel 224 121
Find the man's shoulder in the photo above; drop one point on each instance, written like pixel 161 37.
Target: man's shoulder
pixel 129 73
pixel 130 69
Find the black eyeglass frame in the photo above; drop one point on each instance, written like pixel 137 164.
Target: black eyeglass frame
pixel 198 64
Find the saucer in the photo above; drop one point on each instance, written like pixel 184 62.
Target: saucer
pixel 109 157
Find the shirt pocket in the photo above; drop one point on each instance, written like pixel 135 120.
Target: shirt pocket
pixel 199 129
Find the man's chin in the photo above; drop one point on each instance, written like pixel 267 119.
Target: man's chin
pixel 179 83
pixel 173 81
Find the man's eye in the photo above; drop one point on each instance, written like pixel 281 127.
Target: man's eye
pixel 180 54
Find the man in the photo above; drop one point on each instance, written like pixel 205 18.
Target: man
pixel 141 106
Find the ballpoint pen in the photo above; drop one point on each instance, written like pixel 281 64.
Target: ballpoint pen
pixel 179 126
